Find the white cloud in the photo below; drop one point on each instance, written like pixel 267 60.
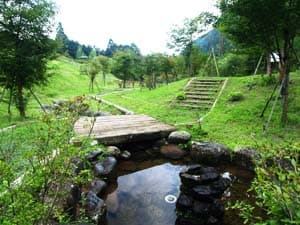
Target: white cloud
pixel 143 22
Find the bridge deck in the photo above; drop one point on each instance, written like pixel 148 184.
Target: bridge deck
pixel 122 128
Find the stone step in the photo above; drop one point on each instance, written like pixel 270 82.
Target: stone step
pixel 208 80
pixel 202 90
pixel 203 86
pixel 197 101
pixel 202 93
pixel 206 83
pixel 202 97
pixel 204 107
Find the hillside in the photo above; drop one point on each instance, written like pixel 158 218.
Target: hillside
pixel 232 123
pixel 65 82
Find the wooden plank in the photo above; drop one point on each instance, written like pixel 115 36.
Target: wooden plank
pixel 124 128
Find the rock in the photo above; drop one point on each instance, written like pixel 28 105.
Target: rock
pixel 245 157
pixel 100 113
pixel 97 186
pixel 159 143
pixel 95 207
pixel 172 151
pixel 93 156
pixel 125 155
pixel 87 113
pixel 105 167
pixel 114 151
pixel 201 208
pixel 179 137
pixel 210 153
pixel 184 202
pixel 94 143
pixel 215 189
pixel 72 199
pixel 78 165
pixel 60 102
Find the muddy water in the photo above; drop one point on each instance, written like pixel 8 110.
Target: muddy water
pixel 138 195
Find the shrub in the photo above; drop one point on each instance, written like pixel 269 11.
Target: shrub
pixel 181 96
pixel 235 97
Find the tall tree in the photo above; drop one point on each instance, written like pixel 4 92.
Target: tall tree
pixel 271 25
pixel 105 66
pixel 61 39
pixel 123 65
pixel 24 44
pixel 182 37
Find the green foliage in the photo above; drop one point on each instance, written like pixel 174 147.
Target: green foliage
pixel 25 46
pixel 276 185
pixel 181 96
pixel 235 96
pixel 233 64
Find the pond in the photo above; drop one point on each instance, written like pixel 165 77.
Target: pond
pixel 138 197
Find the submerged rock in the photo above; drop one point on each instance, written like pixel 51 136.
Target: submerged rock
pixel 172 151
pixel 125 155
pixel 105 167
pixel 179 137
pixel 210 153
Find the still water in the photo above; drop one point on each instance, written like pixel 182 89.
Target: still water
pixel 140 197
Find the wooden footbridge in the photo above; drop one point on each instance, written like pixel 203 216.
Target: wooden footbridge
pixel 111 130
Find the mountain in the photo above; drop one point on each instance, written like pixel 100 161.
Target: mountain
pixel 213 39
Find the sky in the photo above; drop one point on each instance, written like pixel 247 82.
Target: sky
pixel 143 22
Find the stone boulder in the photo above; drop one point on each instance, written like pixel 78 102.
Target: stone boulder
pixel 125 155
pixel 100 113
pixel 95 207
pixel 172 151
pixel 105 167
pixel 97 186
pixel 93 156
pixel 179 137
pixel 114 151
pixel 245 157
pixel 210 153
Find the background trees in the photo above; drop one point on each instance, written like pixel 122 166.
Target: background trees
pixel 25 46
pixel 270 25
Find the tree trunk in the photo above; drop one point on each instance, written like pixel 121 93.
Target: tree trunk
pixel 167 78
pixel 124 83
pixel 269 65
pixel 104 78
pixel 284 77
pixel 20 99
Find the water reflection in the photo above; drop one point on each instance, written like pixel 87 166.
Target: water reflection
pixel 139 198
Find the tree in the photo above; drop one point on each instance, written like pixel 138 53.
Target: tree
pixel 123 65
pixel 153 68
pixel 61 39
pixel 182 38
pixel 105 66
pixel 91 69
pixel 270 25
pixel 166 66
pixel 25 46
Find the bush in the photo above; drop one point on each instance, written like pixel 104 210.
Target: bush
pixel 235 97
pixel 181 96
pixel 277 187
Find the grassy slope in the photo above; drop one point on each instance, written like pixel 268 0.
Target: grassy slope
pixel 64 82
pixel 234 124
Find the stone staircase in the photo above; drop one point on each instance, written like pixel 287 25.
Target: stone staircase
pixel 201 93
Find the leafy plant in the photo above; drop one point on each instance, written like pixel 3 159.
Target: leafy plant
pixel 181 96
pixel 235 96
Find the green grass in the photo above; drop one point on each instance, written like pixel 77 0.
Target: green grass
pixel 64 82
pixel 232 123
pixel 157 103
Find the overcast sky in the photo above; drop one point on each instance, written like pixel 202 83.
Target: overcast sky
pixel 143 22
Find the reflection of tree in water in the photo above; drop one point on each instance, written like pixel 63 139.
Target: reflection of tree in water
pixel 139 199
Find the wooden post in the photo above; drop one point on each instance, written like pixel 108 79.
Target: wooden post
pixel 258 64
pixel 215 61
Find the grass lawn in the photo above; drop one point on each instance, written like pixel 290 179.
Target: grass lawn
pixel 232 123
